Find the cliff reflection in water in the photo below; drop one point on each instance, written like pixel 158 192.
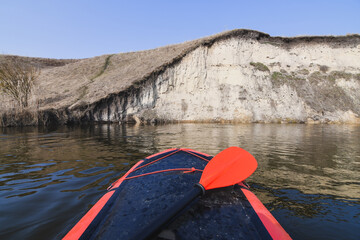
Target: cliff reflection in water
pixel 308 175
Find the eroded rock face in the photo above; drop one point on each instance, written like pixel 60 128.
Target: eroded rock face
pixel 244 80
pixel 236 76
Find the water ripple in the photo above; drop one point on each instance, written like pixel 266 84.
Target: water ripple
pixel 308 176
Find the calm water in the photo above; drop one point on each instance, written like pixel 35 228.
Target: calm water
pixel 308 176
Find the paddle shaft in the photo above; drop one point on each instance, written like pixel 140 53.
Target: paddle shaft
pixel 157 225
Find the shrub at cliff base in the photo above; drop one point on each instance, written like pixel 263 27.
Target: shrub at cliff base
pixel 17 80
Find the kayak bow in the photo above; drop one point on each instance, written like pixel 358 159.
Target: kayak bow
pixel 153 185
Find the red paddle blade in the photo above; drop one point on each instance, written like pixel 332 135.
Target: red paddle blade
pixel 229 167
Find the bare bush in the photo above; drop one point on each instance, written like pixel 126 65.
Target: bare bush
pixel 17 80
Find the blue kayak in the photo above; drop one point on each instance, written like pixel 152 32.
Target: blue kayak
pixel 153 184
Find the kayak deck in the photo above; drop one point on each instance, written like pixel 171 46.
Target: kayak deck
pixel 154 184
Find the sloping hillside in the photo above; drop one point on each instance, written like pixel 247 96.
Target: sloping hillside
pixel 236 76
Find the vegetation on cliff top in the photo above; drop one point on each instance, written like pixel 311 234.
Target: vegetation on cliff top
pixel 73 84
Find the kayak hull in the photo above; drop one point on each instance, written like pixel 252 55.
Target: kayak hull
pixel 152 185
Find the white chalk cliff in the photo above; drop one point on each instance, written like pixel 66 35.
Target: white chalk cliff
pixel 237 76
pixel 245 80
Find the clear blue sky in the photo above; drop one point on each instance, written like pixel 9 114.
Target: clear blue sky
pixel 86 28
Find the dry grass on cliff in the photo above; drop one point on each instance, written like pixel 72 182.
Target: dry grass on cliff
pixel 38 62
pixel 104 75
pixel 66 83
pixel 71 83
